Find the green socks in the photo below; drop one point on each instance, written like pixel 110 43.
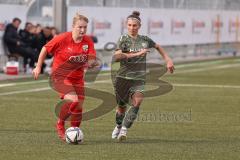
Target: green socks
pixel 119 118
pixel 130 117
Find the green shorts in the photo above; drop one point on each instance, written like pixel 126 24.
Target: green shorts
pixel 125 88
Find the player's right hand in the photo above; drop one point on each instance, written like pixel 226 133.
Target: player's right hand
pixel 36 71
pixel 143 52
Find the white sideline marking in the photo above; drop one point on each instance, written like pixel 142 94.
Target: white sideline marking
pixel 198 64
pixel 42 89
pixel 204 63
pixel 178 66
pixel 22 83
pixel 206 86
pixel 7 85
pixel 25 91
pixel 105 81
pixel 175 84
pixel 211 68
pixel 41 81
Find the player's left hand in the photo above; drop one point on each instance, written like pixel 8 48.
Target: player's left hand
pixel 93 64
pixel 170 66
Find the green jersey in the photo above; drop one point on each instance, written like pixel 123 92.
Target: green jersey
pixel 133 68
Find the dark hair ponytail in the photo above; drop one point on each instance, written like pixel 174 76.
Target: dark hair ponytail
pixel 135 14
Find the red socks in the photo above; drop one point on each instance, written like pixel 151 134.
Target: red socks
pixel 64 113
pixel 72 110
pixel 76 114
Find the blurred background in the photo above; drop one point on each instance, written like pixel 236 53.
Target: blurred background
pixel 198 119
pixel 188 30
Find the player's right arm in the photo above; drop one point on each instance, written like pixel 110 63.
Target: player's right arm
pixel 41 58
pixel 119 55
pixel 50 47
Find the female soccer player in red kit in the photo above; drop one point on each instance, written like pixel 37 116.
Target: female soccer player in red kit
pixel 73 52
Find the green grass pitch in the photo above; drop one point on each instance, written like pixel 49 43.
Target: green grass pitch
pixel 198 119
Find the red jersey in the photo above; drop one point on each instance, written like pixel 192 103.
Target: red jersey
pixel 68 55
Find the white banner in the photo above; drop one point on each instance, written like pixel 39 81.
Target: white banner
pixel 165 26
pixel 7 13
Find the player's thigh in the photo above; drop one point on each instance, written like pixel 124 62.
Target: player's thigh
pixel 77 103
pixel 80 91
pixel 77 94
pixel 137 93
pixel 71 96
pixel 122 88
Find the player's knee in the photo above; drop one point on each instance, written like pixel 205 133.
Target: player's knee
pixel 137 103
pixel 121 109
pixel 74 98
pixel 137 99
pixel 71 97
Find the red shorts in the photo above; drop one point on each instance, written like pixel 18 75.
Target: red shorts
pixel 67 85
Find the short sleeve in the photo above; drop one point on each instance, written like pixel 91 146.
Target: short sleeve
pixel 118 43
pixel 124 44
pixel 53 44
pixel 151 43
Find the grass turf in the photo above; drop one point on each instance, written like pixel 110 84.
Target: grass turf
pixel 201 121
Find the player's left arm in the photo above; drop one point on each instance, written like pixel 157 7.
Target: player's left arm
pixel 92 60
pixel 168 60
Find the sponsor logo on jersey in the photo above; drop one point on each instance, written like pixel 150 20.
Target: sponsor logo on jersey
pixel 85 48
pixel 144 45
pixel 78 59
pixel 135 49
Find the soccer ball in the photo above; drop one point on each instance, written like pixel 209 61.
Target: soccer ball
pixel 74 135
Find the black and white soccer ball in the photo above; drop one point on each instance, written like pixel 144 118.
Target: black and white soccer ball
pixel 74 135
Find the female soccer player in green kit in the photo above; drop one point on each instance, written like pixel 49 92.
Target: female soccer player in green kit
pixel 130 78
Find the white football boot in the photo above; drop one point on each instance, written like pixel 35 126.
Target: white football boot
pixel 122 136
pixel 116 132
